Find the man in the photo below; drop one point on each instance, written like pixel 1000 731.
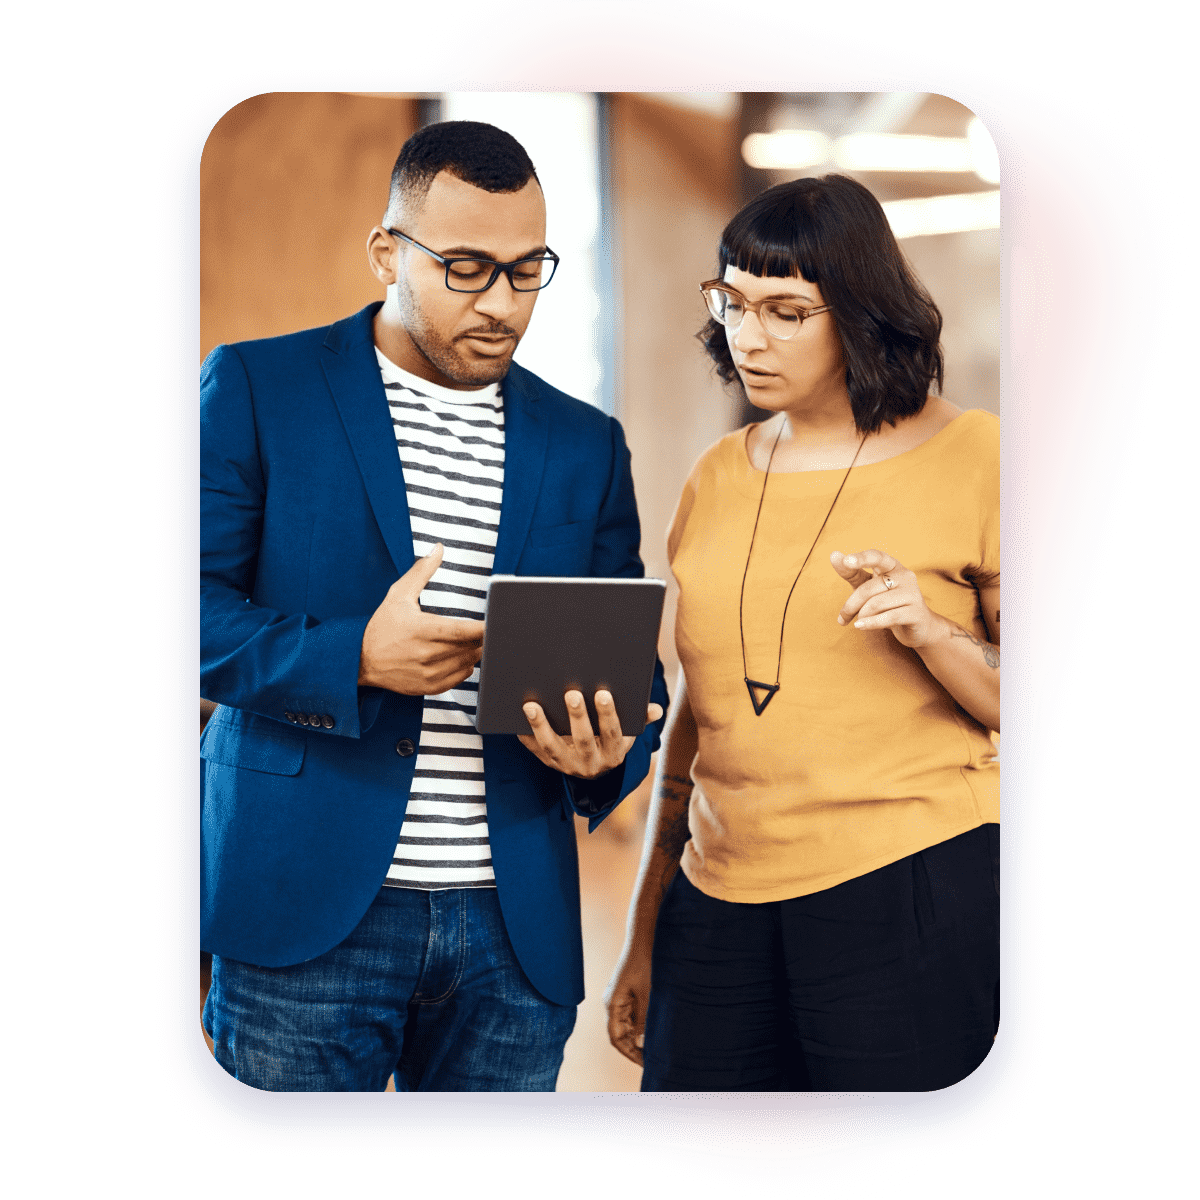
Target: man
pixel 384 890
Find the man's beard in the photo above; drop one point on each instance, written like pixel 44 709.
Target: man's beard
pixel 443 355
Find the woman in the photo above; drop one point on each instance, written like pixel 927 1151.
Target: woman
pixel 828 784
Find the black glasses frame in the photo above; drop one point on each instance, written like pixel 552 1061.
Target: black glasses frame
pixel 507 268
pixel 719 285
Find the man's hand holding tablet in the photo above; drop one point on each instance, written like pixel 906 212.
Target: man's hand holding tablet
pixel 583 754
pixel 590 641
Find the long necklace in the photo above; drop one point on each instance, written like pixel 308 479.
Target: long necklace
pixel 769 689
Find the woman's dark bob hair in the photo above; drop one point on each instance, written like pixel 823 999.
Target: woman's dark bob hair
pixel 833 232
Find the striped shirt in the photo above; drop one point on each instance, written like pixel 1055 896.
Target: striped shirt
pixel 451 446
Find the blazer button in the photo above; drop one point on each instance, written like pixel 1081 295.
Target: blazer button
pixel 405 748
pixel 301 718
pixel 291 717
pixel 314 720
pixel 327 721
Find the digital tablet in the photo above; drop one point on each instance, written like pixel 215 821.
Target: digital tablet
pixel 544 636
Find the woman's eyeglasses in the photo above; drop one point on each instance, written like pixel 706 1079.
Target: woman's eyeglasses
pixel 728 307
pixel 478 274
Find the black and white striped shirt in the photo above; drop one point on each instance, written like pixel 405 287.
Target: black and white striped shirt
pixel 451 447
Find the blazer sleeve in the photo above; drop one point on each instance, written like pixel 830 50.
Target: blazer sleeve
pixel 615 554
pixel 255 658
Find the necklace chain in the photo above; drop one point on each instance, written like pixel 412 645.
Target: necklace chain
pixel 771 688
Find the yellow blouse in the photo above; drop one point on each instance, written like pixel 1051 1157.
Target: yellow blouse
pixel 862 757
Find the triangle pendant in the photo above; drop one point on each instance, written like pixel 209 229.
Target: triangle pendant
pixel 769 690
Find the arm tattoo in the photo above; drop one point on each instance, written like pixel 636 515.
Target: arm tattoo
pixel 991 654
pixel 674 833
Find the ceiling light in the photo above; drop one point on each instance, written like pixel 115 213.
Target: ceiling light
pixel 985 160
pixel 943 214
pixel 790 149
pixel 902 152
pixel 785 149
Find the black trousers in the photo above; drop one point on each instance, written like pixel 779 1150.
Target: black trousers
pixel 887 982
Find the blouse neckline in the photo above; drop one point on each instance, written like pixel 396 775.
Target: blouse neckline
pixel 747 473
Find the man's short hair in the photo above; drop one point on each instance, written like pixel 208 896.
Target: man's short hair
pixel 476 153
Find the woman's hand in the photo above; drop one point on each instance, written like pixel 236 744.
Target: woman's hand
pixel 583 754
pixel 625 999
pixel 886 596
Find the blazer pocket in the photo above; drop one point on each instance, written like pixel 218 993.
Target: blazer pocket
pixel 236 739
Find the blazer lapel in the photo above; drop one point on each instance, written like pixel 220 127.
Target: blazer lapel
pixel 526 435
pixel 352 372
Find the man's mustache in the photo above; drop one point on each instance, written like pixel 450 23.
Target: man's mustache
pixel 490 331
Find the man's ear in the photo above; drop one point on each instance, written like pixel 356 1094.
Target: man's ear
pixel 382 254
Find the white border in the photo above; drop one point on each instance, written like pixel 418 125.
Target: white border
pixel 1071 391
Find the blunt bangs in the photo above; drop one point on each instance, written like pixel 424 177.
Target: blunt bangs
pixel 771 239
pixel 833 232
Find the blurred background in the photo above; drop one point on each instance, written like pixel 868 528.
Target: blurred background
pixel 638 188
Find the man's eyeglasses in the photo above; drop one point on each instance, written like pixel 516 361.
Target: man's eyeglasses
pixel 728 307
pixel 478 274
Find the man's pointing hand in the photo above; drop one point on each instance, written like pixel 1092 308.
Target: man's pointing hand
pixel 413 652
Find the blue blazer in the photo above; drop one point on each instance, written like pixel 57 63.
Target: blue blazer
pixel 304 527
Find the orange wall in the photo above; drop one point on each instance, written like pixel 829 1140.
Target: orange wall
pixel 290 185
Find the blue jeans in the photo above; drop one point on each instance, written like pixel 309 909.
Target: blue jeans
pixel 426 986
